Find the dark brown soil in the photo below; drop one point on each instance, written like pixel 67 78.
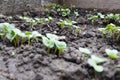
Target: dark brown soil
pixel 32 62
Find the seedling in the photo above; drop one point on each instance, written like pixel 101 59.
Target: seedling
pixel 48 19
pixel 85 50
pixel 48 43
pixel 13 36
pixel 76 13
pixel 40 20
pixel 29 20
pixel 118 66
pixel 60 46
pixel 113 54
pixel 103 31
pixel 5 28
pixel 67 22
pixel 95 61
pixel 51 41
pixel 112 30
pixel 93 18
pixel 77 29
pixel 13 54
pixel 10 18
pixel 62 10
pixel 107 17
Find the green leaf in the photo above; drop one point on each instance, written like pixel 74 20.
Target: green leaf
pixel 99 68
pixel 96 67
pixel 11 35
pixel 85 50
pixel 28 34
pixel 118 66
pixel 101 15
pixel 60 45
pixel 52 36
pixel 112 53
pixel 48 42
pixel 98 59
pixel 36 34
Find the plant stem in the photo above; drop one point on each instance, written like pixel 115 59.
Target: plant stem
pixel 55 50
pixel 48 50
pixel 60 51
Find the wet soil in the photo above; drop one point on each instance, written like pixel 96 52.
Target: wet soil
pixel 32 62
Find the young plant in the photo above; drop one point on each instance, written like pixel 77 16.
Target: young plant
pixel 29 20
pixel 67 22
pixel 48 19
pixel 40 20
pixel 95 61
pixel 85 51
pixel 5 28
pixel 15 36
pixel 60 46
pixel 62 10
pixel 93 18
pixel 76 13
pixel 51 41
pixel 107 17
pixel 48 43
pixel 112 30
pixel 113 54
pixel 118 66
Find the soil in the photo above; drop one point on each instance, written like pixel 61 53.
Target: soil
pixel 32 62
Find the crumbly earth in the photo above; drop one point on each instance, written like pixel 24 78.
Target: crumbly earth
pixel 32 62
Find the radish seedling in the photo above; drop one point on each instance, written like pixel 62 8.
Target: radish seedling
pixel 48 43
pixel 94 61
pixel 29 20
pixel 67 22
pixel 51 41
pixel 112 30
pixel 5 28
pixel 85 51
pixel 60 46
pixel 113 54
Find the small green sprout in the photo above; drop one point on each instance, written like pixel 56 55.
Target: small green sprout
pixel 52 41
pixel 29 20
pixel 101 15
pixel 85 50
pixel 5 28
pixel 40 20
pixel 113 54
pixel 112 30
pixel 103 31
pixel 48 43
pixel 93 18
pixel 76 13
pixel 94 61
pixel 29 36
pixel 10 18
pixel 52 36
pixel 62 10
pixel 60 46
pixel 107 17
pixel 67 22
pixel 48 19
pixel 13 54
pixel 118 66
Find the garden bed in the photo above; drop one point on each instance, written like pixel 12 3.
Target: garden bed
pixel 33 62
